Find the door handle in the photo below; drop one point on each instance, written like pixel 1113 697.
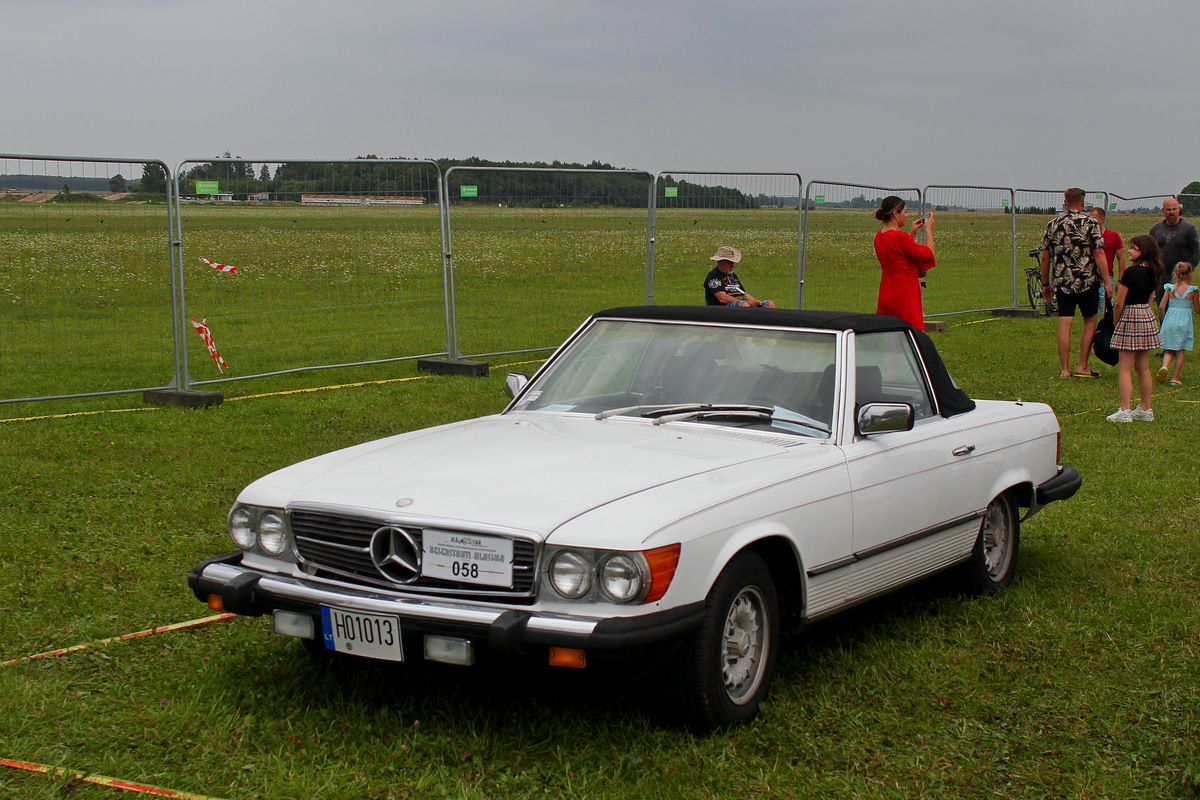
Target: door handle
pixel 965 450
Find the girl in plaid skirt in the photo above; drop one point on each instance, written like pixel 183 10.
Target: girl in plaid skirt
pixel 1136 332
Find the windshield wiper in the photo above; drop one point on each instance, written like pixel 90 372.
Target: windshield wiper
pixel 786 416
pixel 712 410
pixel 673 412
pixel 652 410
pixel 782 418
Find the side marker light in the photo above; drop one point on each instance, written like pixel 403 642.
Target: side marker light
pixel 571 657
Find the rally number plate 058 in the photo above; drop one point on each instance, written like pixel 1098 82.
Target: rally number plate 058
pixel 467 557
pixel 368 635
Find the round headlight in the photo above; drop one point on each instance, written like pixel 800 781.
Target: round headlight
pixel 272 536
pixel 241 527
pixel 621 578
pixel 570 575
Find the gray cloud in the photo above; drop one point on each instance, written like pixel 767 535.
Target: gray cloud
pixel 1025 93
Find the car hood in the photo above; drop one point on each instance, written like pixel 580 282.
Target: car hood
pixel 524 472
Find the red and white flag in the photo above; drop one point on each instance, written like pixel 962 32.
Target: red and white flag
pixel 202 329
pixel 221 267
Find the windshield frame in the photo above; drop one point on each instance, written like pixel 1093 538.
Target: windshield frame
pixel 823 347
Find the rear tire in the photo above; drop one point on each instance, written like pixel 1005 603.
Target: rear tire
pixel 722 672
pixel 1033 284
pixel 994 559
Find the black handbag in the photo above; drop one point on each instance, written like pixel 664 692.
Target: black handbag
pixel 1102 341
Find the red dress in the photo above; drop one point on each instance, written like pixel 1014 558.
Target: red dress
pixel 900 284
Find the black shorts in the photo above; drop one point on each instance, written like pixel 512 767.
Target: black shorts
pixel 1087 301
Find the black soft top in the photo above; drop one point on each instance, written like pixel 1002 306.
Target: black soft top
pixel 770 317
pixel 951 399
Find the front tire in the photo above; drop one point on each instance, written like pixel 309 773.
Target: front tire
pixel 994 559
pixel 721 674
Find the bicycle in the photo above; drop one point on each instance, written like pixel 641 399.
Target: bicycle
pixel 1036 289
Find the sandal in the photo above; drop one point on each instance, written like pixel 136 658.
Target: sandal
pixel 1176 383
pixel 1093 374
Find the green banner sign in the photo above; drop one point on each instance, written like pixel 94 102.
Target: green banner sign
pixel 207 187
pixel 1004 203
pixel 468 191
pixel 1112 206
pixel 671 191
pixel 820 199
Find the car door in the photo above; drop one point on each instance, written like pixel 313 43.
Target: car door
pixel 909 516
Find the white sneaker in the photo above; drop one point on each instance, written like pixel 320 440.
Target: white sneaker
pixel 1121 415
pixel 1143 414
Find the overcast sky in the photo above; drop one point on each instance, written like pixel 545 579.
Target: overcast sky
pixel 1012 93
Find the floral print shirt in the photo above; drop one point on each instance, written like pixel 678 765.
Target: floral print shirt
pixel 1072 237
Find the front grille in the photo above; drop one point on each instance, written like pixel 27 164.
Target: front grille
pixel 338 545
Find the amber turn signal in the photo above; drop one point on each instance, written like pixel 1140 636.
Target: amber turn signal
pixel 571 657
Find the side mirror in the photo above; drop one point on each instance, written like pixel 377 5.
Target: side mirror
pixel 884 418
pixel 515 382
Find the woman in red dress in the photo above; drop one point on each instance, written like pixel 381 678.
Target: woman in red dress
pixel 904 262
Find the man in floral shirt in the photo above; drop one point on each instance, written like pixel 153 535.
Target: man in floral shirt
pixel 1074 244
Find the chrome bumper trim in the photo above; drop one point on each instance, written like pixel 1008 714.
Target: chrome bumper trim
pixel 289 588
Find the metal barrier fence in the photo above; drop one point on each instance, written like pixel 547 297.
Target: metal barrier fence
pixel 696 212
pixel 338 263
pixel 1130 216
pixel 1044 203
pixel 1029 201
pixel 1145 205
pixel 838 230
pixel 347 263
pixel 85 279
pixel 975 237
pixel 533 251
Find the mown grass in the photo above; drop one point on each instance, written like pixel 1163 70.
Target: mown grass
pixel 1081 681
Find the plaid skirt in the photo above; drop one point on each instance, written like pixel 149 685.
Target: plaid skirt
pixel 1137 330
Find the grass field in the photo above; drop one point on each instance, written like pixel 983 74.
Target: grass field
pixel 1081 681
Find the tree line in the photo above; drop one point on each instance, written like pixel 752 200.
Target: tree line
pixel 516 183
pixel 472 181
pixel 53 183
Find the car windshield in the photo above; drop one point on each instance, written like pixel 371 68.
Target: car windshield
pixel 763 378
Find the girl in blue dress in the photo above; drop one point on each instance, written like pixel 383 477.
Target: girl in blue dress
pixel 1180 300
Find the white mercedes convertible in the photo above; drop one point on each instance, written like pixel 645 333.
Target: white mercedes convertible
pixel 675 489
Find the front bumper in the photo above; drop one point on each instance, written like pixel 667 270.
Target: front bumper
pixel 505 631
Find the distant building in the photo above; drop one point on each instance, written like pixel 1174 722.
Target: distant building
pixel 358 200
